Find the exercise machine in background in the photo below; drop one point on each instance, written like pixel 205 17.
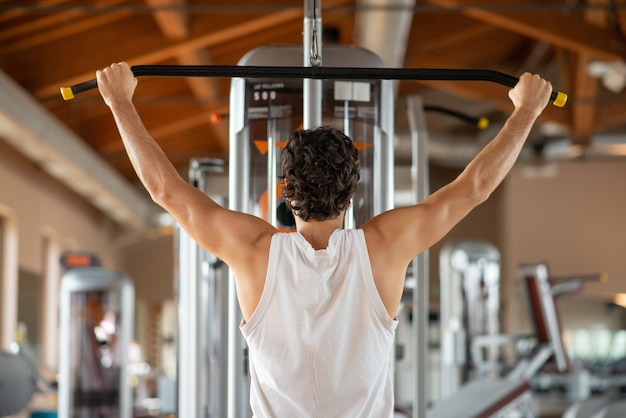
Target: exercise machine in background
pixel 202 299
pixel 511 394
pixel 19 380
pixel 96 328
pixel 469 312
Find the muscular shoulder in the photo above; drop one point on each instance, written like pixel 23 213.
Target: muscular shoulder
pixel 388 268
pixel 387 236
pixel 250 271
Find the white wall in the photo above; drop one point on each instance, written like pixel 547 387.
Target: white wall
pixel 42 214
pixel 42 205
pixel 575 220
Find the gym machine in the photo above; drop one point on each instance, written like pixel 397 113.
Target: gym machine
pixel 19 380
pixel 511 395
pixel 202 299
pixel 596 381
pixel 264 112
pixel 96 329
pixel 469 311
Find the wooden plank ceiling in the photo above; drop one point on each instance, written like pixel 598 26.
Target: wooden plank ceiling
pixel 47 44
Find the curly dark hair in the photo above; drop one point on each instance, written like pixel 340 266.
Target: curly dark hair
pixel 320 172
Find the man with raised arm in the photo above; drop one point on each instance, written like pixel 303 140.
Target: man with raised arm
pixel 319 305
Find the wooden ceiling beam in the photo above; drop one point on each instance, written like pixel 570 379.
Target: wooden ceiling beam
pixel 16 13
pixel 598 15
pixel 564 30
pixel 165 130
pixel 173 24
pixel 43 22
pixel 430 36
pixel 583 107
pixel 62 32
pixel 620 14
pixel 55 27
pixel 203 88
pixel 207 90
pixel 585 88
pixel 186 123
pixel 607 116
pixel 160 54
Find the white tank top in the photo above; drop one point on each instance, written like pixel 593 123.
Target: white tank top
pixel 320 339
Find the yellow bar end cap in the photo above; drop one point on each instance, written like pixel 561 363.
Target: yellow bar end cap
pixel 67 93
pixel 561 99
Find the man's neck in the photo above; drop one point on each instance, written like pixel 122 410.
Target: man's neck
pixel 317 233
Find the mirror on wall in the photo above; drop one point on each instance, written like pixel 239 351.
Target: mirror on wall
pixel 594 330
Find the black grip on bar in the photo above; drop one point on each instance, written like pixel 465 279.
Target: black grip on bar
pixel 68 93
pixel 339 73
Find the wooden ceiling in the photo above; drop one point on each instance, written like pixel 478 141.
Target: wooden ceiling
pixel 48 44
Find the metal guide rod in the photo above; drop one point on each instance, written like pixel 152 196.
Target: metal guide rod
pixel 200 375
pixel 348 219
pixel 432 74
pixel 190 331
pixel 271 169
pixel 419 174
pixel 238 194
pixel 312 58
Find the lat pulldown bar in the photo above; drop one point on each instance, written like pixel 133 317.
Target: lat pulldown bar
pixel 339 73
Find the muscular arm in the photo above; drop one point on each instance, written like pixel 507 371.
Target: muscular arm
pixel 241 240
pixel 397 236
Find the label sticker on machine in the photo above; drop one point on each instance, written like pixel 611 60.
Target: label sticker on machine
pixel 353 112
pixel 356 91
pixel 260 112
pixel 342 111
pixel 265 112
pixel 366 112
pixel 267 100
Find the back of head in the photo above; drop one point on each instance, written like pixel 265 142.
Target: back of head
pixel 320 170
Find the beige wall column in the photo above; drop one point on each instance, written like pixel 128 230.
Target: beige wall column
pixel 49 313
pixel 8 277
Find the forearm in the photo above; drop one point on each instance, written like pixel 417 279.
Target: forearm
pixel 489 168
pixel 149 161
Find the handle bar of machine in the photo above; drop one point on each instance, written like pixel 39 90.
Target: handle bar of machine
pixel 340 73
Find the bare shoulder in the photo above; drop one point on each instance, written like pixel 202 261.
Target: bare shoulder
pixel 410 230
pixel 232 236
pixel 393 234
pixel 249 264
pixel 241 238
pixel 388 266
pixel 387 239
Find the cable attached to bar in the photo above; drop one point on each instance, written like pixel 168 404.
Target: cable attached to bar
pixel 339 73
